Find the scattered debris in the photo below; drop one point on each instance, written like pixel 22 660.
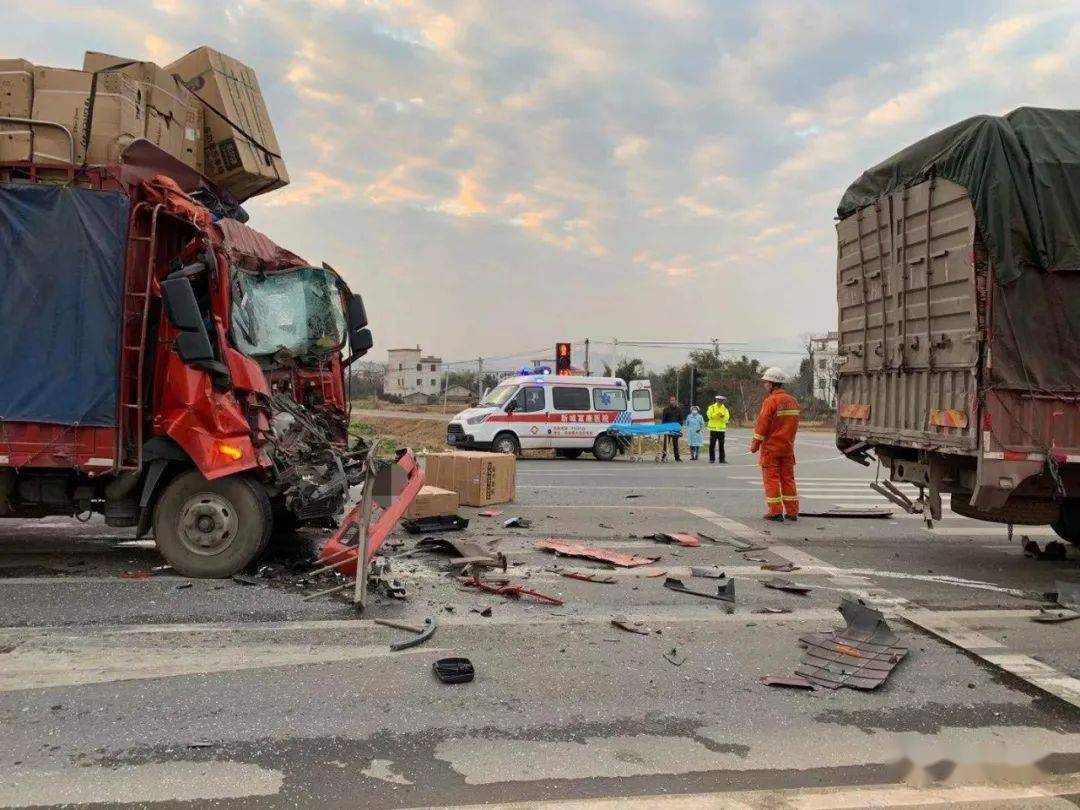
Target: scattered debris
pixel 710 538
pixel 725 592
pixel 517 523
pixel 781 584
pixel 790 681
pixel 439 523
pixel 682 538
pixel 1054 550
pixel 184 586
pixel 1067 599
pixel 872 512
pixel 568 549
pixel 623 623
pixel 486 612
pixel 672 656
pixel 783 568
pixel 772 610
pixel 502 587
pixel 633 495
pixel 200 744
pixel 1055 615
pixel 599 578
pixel 861 655
pixel 246 579
pixel 156 571
pixel 489 512
pixel 604 526
pixel 421 634
pixel 706 572
pixel 454 670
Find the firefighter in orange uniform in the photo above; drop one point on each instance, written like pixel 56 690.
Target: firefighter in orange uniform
pixel 774 435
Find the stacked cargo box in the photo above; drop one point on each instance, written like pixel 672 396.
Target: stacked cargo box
pixel 205 109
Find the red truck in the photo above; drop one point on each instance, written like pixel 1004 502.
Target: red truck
pixel 165 365
pixel 958 288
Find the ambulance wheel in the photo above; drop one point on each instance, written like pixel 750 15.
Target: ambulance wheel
pixel 570 454
pixel 506 443
pixel 212 529
pixel 605 448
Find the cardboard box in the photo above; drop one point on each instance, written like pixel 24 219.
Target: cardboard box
pixel 16 100
pixel 433 502
pixel 479 479
pixel 240 149
pixel 116 117
pixel 173 114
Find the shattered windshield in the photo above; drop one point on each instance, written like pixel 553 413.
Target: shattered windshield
pixel 299 311
pixel 500 394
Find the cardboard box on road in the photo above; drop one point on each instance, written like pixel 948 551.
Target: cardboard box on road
pixel 433 502
pixel 479 479
pixel 173 114
pixel 241 151
pixel 16 101
pixel 116 116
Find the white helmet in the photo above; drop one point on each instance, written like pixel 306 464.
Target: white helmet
pixel 773 375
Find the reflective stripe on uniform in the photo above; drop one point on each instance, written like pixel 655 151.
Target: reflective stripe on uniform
pixel 787 413
pixel 790 497
pixel 774 500
pixel 759 437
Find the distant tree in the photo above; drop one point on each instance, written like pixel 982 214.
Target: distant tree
pixel 627 370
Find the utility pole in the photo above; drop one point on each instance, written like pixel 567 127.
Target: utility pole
pixel 586 357
pixel 479 378
pixel 445 385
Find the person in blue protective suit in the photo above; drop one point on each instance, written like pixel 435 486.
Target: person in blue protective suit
pixel 695 432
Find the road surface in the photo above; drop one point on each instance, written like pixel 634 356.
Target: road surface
pixel 148 691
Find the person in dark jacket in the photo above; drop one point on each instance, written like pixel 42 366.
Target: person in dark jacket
pixel 672 414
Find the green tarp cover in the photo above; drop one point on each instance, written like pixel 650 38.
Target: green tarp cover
pixel 1022 171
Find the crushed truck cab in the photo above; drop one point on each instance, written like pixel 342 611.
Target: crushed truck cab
pixel 168 367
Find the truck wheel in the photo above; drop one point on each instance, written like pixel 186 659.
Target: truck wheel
pixel 604 448
pixel 211 529
pixel 571 454
pixel 506 443
pixel 1067 525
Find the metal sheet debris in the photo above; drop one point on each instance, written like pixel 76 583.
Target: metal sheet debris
pixel 874 512
pixel 783 568
pixel 725 592
pixel 1067 599
pixel 517 523
pixel 772 610
pixel 569 549
pixel 489 512
pixel 1055 615
pixel 860 656
pixel 790 681
pixel 781 584
pixel 706 572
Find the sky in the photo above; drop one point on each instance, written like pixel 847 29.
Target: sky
pixel 496 176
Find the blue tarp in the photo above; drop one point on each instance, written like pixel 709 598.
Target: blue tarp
pixel 647 430
pixel 61 279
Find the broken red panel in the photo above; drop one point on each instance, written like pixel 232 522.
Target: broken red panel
pixel 682 538
pixel 336 549
pixel 568 549
pixel 589 577
pixel 791 682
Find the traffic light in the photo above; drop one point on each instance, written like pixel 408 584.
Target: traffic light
pixel 562 358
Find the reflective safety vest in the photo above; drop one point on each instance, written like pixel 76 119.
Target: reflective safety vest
pixel 718 416
pixel 777 423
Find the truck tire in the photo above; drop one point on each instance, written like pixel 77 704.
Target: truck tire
pixel 1067 525
pixel 212 529
pixel 570 454
pixel 605 448
pixel 506 443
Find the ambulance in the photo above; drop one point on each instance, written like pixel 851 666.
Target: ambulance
pixel 567 414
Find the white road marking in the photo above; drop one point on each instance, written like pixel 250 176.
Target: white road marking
pixel 982 530
pixel 177 781
pixel 1048 789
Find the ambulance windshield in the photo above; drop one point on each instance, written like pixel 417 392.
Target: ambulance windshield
pixel 499 395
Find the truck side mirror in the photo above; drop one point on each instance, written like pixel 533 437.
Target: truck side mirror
pixel 182 310
pixel 360 338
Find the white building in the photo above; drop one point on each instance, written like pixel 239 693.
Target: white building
pixel 408 371
pixel 824 353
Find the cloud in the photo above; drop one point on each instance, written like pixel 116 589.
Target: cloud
pixel 313 188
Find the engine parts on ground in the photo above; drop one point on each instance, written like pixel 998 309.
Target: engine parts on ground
pixel 454 670
pixel 439 523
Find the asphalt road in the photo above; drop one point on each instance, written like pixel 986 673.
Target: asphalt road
pixel 141 690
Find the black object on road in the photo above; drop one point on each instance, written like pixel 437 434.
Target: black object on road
pixel 724 593
pixel 440 523
pixel 454 670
